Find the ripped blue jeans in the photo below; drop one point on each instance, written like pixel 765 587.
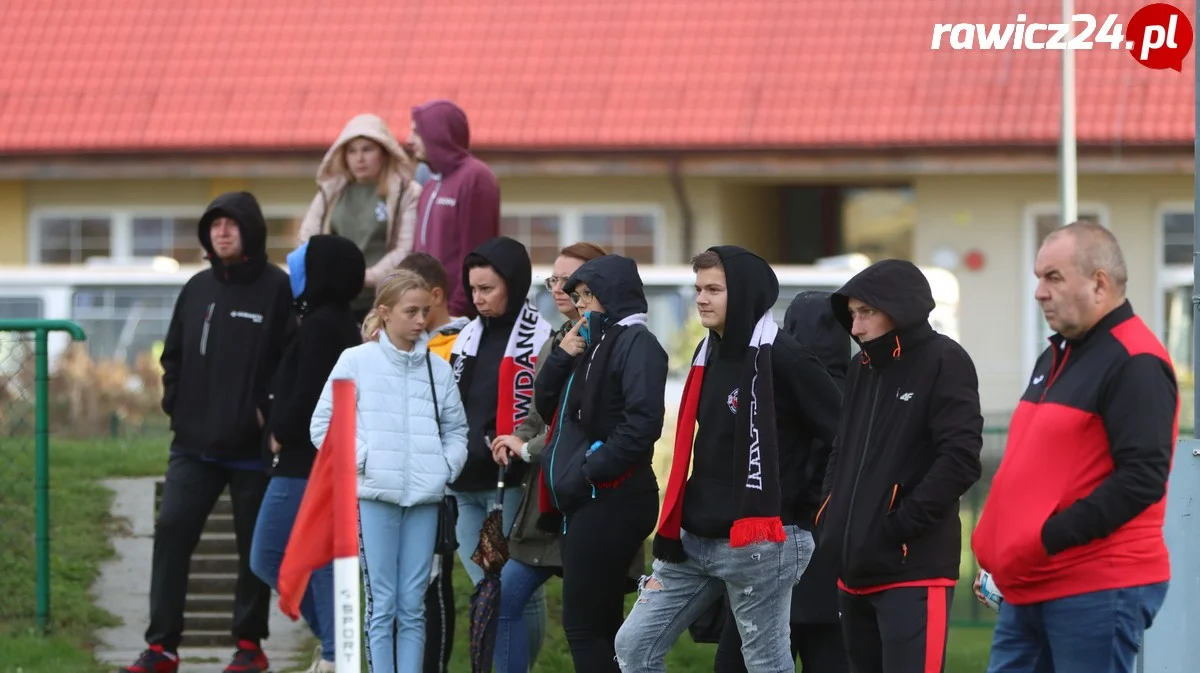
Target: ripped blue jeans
pixel 758 580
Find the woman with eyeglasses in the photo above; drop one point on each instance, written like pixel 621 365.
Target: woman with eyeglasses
pixel 603 388
pixel 533 553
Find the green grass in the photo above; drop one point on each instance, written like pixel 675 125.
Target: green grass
pixel 79 529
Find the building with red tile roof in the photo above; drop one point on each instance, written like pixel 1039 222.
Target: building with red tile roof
pixel 655 127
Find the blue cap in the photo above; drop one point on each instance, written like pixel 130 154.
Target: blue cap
pixel 295 262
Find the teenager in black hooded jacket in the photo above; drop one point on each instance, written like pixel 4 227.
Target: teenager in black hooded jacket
pixel 734 526
pixel 601 390
pixel 326 276
pixel 907 450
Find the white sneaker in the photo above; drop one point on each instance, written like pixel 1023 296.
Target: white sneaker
pixel 319 665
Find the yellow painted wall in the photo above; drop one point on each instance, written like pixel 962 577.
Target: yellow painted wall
pixel 272 193
pixel 13 217
pixel 988 213
pixel 44 194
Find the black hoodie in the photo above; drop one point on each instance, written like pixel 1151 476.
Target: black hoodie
pixel 334 269
pixel 230 326
pixel 614 393
pixel 912 408
pixel 809 319
pixel 806 405
pixel 480 391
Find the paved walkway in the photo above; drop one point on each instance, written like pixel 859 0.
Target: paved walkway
pixel 124 590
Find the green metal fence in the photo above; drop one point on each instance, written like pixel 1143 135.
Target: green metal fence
pixel 25 468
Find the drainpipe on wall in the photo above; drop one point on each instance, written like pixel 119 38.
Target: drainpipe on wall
pixel 685 208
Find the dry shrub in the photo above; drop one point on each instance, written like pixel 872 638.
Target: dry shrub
pixel 86 393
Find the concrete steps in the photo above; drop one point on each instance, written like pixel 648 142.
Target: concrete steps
pixel 212 580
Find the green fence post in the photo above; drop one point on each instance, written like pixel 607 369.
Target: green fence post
pixel 42 476
pixel 41 330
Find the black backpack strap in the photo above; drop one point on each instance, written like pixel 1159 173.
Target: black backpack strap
pixel 433 391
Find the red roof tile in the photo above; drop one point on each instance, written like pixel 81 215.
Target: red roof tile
pixel 129 75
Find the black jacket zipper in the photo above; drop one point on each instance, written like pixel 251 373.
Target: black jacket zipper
pixel 861 462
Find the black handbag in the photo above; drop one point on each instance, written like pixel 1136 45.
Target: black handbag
pixel 446 542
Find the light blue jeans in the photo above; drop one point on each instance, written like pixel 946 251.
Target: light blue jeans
pixel 396 549
pixel 473 507
pixel 758 579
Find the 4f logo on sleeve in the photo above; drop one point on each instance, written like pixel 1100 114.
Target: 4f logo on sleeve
pixel 731 402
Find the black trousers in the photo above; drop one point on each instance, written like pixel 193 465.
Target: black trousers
pixel 900 630
pixel 189 494
pixel 439 618
pixel 601 540
pixel 818 647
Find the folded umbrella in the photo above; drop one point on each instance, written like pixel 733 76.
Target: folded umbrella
pixel 490 554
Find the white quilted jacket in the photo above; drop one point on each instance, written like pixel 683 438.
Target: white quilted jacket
pixel 401 459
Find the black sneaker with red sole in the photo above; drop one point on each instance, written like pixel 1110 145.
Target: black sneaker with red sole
pixel 154 660
pixel 249 658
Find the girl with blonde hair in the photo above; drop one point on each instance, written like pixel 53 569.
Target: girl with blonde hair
pixel 411 442
pixel 366 193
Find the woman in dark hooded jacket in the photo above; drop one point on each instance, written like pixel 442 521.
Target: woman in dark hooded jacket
pixel 816 632
pixel 493 360
pixel 602 390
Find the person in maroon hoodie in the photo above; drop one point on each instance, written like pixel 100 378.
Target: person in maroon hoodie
pixel 460 206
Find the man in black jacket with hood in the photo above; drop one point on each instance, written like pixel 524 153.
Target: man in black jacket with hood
pixel 733 527
pixel 227 334
pixel 816 631
pixel 907 450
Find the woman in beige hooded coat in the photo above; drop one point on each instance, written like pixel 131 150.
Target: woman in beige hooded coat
pixel 366 194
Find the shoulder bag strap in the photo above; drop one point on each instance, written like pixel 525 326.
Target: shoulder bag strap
pixel 433 391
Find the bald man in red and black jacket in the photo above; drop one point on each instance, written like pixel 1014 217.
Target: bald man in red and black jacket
pixel 1072 531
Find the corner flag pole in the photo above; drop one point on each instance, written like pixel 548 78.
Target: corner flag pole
pixel 348 631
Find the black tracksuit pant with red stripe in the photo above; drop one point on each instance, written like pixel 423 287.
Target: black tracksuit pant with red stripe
pixel 901 630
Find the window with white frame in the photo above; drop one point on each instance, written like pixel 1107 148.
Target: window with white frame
pixel 1176 317
pixel 157 236
pixel 72 239
pixel 541 233
pixel 75 237
pixel 633 232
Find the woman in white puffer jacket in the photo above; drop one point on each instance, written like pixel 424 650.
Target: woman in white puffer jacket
pixel 407 452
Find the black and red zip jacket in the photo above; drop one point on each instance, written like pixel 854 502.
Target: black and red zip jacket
pixel 1077 505
pixel 907 447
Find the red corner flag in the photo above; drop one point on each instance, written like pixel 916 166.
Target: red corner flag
pixel 326 526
